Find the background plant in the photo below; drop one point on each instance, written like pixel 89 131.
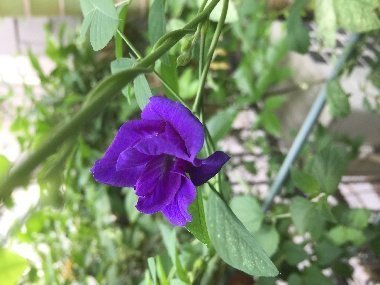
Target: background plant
pixel 82 231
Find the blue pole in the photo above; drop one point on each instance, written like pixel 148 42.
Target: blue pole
pixel 307 125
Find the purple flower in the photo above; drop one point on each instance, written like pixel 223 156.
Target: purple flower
pixel 157 156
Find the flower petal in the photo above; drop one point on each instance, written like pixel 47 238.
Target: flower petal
pixel 131 158
pixel 104 169
pixel 180 118
pixel 167 142
pixel 157 185
pixel 130 133
pixel 204 169
pixel 177 211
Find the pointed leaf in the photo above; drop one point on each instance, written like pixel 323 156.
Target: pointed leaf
pixel 232 241
pixel 102 19
pixel 198 225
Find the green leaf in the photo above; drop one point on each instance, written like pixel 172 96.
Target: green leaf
pixel 326 252
pixel 265 281
pixel 152 269
pixel 188 84
pixel 327 167
pixel 177 282
pixel 357 218
pixel 198 224
pixel 325 211
pixel 357 16
pixel 121 64
pixel 273 103
pixel 156 21
pixel 142 91
pixel 162 276
pixel 129 204
pixel 102 19
pixel 232 241
pixel 326 21
pixel 140 84
pixel 294 253
pixel 337 100
pixel 298 35
pixel 220 124
pixel 169 239
pixel 169 74
pixel 232 15
pixel 5 165
pixel 248 211
pixel 306 217
pixel 342 234
pixel 305 182
pixel 295 279
pixel 313 276
pixel 268 238
pixel 270 122
pixel 12 267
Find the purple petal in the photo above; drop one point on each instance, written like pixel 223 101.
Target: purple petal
pixel 204 169
pixel 180 118
pixel 131 158
pixel 168 142
pixel 130 133
pixel 177 211
pixel 104 169
pixel 157 185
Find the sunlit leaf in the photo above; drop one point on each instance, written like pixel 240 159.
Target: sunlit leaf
pixel 232 15
pixel 5 165
pixel 326 21
pixel 357 16
pixel 11 267
pixel 100 16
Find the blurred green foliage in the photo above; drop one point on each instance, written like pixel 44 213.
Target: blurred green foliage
pixel 85 233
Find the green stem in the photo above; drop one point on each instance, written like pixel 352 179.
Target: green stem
pixel 101 95
pixel 118 39
pixel 214 43
pixel 129 44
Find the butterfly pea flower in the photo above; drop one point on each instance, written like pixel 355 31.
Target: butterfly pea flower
pixel 157 156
